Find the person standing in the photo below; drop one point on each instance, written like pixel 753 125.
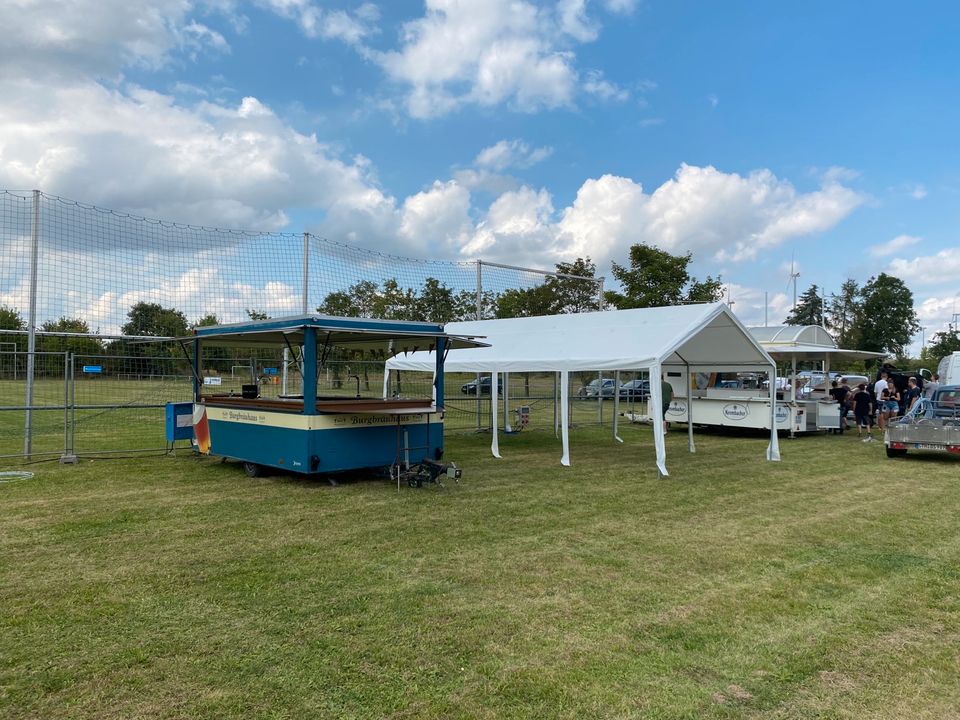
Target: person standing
pixel 839 393
pixel 862 409
pixel 666 397
pixel 913 393
pixel 930 388
pixel 880 385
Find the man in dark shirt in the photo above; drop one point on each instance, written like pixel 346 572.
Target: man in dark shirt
pixel 913 393
pixel 862 409
pixel 839 393
pixel 666 397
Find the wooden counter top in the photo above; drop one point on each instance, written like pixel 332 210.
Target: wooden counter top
pixel 341 405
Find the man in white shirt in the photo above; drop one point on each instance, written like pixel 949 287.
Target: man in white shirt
pixel 878 387
pixel 931 386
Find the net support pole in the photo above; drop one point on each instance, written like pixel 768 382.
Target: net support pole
pixel 479 317
pixel 32 325
pixel 305 304
pixel 691 446
pixel 616 406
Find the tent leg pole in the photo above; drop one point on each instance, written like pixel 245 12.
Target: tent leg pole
pixel 690 446
pixel 616 406
pixel 556 407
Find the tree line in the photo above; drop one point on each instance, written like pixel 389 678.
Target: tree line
pixel 878 316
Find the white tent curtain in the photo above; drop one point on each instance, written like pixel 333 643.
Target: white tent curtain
pixel 773 448
pixel 656 413
pixel 565 417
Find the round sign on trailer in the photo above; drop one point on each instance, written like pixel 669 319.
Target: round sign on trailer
pixel 735 411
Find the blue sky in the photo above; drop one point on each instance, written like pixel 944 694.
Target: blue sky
pixel 751 134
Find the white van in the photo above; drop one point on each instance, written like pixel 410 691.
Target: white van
pixel 949 369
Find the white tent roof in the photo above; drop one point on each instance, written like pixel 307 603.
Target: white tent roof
pixel 707 335
pixel 805 342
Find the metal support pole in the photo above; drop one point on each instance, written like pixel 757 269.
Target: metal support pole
pixel 793 393
pixel 306 272
pixel 68 456
pixel 32 325
pixel 600 294
pixel 479 309
pixel 600 398
pixel 690 444
pixel 556 407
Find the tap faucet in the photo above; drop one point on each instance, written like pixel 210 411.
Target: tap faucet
pixel 357 378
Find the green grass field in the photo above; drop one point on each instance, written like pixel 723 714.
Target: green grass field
pixel 110 419
pixel 827 585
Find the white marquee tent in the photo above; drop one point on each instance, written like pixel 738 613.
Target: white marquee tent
pixel 696 337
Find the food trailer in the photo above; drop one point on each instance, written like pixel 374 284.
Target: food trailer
pixel 742 399
pixel 311 433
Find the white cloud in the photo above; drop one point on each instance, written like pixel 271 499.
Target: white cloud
pixel 138 150
pixel 918 192
pixel 190 292
pixel 574 22
pixel 511 154
pixel 622 7
pixel 596 84
pixel 943 267
pixel 494 52
pixel 748 305
pixel 713 100
pixel 314 21
pixel 700 210
pixel 103 36
pixel 437 218
pixel 900 242
pixel 517 227
pixel 937 312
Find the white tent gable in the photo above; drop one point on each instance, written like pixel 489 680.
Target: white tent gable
pixel 613 340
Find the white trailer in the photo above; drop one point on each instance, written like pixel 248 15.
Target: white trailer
pixel 723 399
pixel 949 369
pixel 745 407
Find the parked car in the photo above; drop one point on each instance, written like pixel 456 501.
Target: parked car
pixel 470 388
pixel 635 390
pixel 597 389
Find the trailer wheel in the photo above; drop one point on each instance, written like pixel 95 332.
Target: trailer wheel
pixel 894 452
pixel 252 470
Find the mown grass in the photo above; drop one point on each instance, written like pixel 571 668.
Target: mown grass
pixel 826 585
pixel 109 420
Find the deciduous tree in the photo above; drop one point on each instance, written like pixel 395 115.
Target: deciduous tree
pixel 887 320
pixel 76 345
pixel 843 311
pixel 655 278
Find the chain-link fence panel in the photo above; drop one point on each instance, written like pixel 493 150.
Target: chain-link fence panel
pixel 46 413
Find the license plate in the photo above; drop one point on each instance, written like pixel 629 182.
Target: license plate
pixel 928 446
